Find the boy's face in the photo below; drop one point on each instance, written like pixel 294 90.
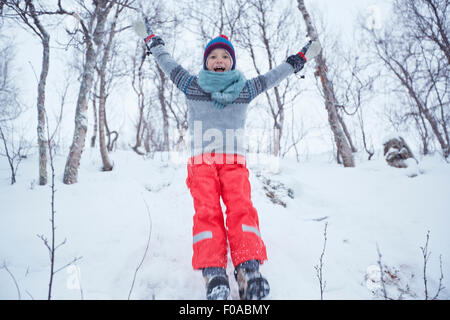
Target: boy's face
pixel 218 60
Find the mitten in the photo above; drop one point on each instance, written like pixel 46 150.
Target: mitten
pixel 153 41
pixel 150 40
pixel 296 61
pixel 309 51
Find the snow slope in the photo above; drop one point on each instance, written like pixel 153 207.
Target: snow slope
pixel 105 220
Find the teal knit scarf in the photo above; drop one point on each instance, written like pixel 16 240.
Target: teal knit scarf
pixel 223 86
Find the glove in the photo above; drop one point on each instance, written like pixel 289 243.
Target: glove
pixel 308 52
pixel 153 41
pixel 142 31
pixel 296 61
pixel 311 50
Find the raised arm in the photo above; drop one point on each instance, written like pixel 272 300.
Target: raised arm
pixel 268 80
pixel 293 64
pixel 180 77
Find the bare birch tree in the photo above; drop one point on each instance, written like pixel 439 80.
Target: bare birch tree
pixel 93 31
pixel 95 114
pixel 331 103
pixel 9 92
pixel 211 18
pixel 110 70
pixel 27 14
pixel 144 84
pixel 342 65
pixel 268 37
pixel 13 149
pixel 164 109
pixel 107 165
pixel 179 114
pixel 426 23
pixel 137 83
pixel 426 20
pixel 165 90
pixel 354 76
pixel 415 54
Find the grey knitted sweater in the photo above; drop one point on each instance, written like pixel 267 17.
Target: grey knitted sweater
pixel 212 129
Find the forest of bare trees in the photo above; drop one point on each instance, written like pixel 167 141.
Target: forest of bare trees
pixel 416 57
pixel 408 56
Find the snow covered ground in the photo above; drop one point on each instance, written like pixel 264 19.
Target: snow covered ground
pixel 105 221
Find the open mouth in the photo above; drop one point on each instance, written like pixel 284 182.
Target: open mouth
pixel 219 69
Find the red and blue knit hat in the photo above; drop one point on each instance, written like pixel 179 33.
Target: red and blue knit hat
pixel 219 42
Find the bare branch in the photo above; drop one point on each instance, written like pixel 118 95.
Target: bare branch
pixel 13 278
pixel 441 278
pixel 426 255
pixel 68 264
pixel 319 267
pixel 380 265
pixel 145 251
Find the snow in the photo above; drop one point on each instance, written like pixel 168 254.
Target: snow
pixel 390 136
pixel 105 221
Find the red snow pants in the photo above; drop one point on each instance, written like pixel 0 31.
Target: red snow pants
pixel 211 176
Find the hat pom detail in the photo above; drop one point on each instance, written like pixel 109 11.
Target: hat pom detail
pixel 224 36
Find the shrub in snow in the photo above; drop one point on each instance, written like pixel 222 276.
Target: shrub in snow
pixel 276 191
pixel 399 282
pixel 397 151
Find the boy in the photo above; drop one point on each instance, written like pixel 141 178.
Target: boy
pixel 217 102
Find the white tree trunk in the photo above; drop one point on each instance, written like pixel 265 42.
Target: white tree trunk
pixel 107 165
pixel 330 99
pixel 79 137
pixel 42 140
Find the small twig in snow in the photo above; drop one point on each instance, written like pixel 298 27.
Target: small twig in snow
pixel 380 265
pixel 13 278
pixel 32 298
pixel 319 267
pixel 426 255
pixel 145 251
pixel 441 287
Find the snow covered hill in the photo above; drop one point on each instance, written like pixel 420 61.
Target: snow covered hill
pixel 105 220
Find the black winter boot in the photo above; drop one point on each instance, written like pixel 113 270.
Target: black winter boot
pixel 217 287
pixel 252 285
